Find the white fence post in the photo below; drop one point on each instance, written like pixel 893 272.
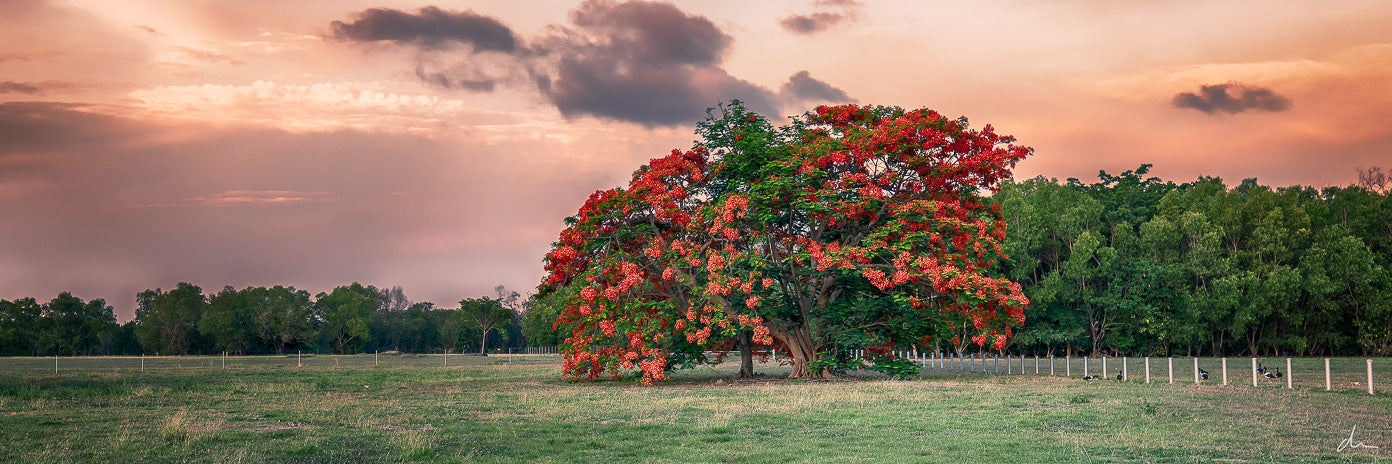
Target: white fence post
pixel 1254 372
pixel 1225 371
pixel 1289 374
pixel 1196 370
pixel 1147 369
pixel 1327 384
pixel 1370 377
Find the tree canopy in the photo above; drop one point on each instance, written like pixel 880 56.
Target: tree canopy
pixel 850 226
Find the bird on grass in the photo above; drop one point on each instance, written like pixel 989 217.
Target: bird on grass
pixel 1120 375
pixel 1270 376
pixel 1203 375
pixel 1261 369
pixel 1089 378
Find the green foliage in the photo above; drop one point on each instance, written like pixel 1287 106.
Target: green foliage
pixel 1133 265
pixel 898 368
pixel 345 314
pixel 837 363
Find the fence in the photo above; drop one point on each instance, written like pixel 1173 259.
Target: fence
pixel 534 355
pixel 1307 373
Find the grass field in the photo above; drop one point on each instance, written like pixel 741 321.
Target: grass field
pixel 501 409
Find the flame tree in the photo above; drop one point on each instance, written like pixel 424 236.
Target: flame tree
pixel 850 226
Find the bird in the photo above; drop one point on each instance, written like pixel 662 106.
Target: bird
pixel 1120 376
pixel 1203 374
pixel 1270 376
pixel 1089 378
pixel 1261 369
pixel 1278 373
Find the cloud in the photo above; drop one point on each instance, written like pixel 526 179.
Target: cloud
pixel 18 87
pixel 645 62
pixel 430 27
pixel 40 128
pixel 802 87
pixel 260 197
pixel 1213 99
pixel 811 24
pixel 323 106
pixel 642 62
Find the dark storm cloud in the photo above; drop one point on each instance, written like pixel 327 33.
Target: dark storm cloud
pixel 18 87
pixel 821 20
pixel 810 24
pixel 803 87
pixel 643 62
pixel 28 128
pixel 475 83
pixel 1232 98
pixel 430 27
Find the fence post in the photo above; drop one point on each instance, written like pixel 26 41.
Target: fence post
pixel 1008 366
pixel 1104 366
pixel 1170 361
pixel 142 361
pixel 1147 369
pixel 1289 374
pixel 1051 365
pixel 446 356
pixel 1370 376
pixel 1327 384
pixel 1254 372
pixel 298 362
pixel 1068 365
pixel 1125 371
pixel 1225 371
pixel 1196 370
pixel 55 361
pixel 224 360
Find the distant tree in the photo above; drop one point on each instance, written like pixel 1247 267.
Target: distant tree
pixel 539 320
pixel 230 319
pixel 388 321
pixel 167 322
pixel 19 327
pixel 285 316
pixel 344 315
pixel 1375 179
pixel 485 315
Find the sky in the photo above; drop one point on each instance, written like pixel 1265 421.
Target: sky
pixel 438 146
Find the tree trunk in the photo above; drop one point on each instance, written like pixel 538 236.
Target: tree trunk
pixel 746 347
pixel 800 351
pixel 483 344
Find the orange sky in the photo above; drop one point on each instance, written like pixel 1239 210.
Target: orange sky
pixel 437 146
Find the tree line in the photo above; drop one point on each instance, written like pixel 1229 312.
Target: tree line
pixel 1133 265
pixel 260 320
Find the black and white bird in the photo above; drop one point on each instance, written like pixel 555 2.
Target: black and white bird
pixel 1203 374
pixel 1261 369
pixel 1278 373
pixel 1120 375
pixel 1089 378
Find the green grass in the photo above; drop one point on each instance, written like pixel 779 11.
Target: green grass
pixel 477 409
